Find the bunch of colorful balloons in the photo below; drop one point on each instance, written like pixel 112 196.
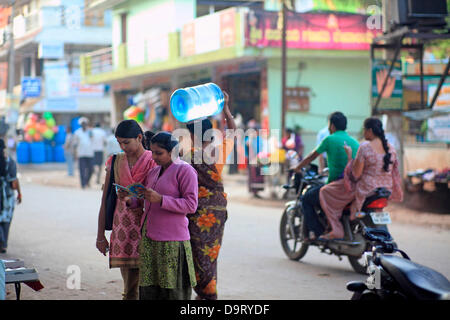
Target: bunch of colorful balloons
pixel 38 129
pixel 134 113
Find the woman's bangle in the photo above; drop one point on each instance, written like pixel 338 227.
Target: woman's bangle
pixel 103 240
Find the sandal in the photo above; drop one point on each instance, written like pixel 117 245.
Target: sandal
pixel 329 236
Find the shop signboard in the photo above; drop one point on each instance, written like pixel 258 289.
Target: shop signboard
pixel 392 98
pixel 5 13
pixel 31 87
pixel 227 28
pixel 157 48
pixel 297 98
pixel 84 90
pixel 56 105
pixel 57 79
pixel 439 127
pixel 51 50
pixel 322 31
pixel 209 33
pixel 195 77
pixel 352 6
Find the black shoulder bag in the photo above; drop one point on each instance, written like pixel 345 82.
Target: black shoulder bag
pixel 111 198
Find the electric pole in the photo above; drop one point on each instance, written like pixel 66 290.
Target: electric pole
pixel 11 71
pixel 283 66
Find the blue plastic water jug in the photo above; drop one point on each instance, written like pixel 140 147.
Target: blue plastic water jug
pixel 196 102
pixel 60 136
pixel 58 153
pixel 23 152
pixel 37 150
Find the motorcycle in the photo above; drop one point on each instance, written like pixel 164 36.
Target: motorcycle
pixel 293 230
pixel 392 277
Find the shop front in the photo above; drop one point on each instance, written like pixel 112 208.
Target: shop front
pixel 327 69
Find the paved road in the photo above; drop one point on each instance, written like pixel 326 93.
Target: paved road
pixel 55 227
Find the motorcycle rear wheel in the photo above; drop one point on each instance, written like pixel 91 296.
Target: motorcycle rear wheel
pixel 293 245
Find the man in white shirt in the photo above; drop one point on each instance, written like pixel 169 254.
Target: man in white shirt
pixel 84 151
pixel 112 146
pixel 98 144
pixel 323 133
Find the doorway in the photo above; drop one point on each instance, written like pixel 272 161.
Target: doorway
pixel 245 95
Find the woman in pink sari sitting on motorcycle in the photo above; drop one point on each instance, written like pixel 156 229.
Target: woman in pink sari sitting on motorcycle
pixel 375 166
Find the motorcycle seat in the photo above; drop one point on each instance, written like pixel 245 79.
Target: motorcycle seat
pixel 422 282
pixel 376 194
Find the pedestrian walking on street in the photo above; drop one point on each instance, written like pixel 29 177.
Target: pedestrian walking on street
pixel 112 146
pixel 98 144
pixel 70 151
pixel 130 166
pixel 167 268
pixel 84 152
pixel 322 134
pixel 207 224
pixel 8 183
pixel 254 146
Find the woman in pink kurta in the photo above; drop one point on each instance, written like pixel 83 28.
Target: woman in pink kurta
pixel 167 269
pixel 375 166
pixel 131 166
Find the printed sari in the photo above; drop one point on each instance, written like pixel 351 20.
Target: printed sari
pixel 206 225
pixel 125 235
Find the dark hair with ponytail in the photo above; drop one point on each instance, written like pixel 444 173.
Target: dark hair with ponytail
pixel 130 129
pixel 377 129
pixel 2 158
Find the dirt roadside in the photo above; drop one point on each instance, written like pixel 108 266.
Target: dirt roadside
pixel 235 186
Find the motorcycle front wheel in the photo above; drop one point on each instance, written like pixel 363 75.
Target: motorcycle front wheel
pixel 292 230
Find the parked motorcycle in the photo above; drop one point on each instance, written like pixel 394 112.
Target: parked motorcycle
pixel 392 277
pixel 293 229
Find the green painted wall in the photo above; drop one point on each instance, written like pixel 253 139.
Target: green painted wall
pixel 338 84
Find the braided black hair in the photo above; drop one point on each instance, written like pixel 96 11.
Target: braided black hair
pixel 377 129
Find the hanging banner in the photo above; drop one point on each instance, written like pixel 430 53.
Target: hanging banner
pixel 322 31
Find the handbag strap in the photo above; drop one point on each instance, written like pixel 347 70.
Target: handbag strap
pixel 111 171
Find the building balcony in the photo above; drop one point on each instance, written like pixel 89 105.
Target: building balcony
pixel 236 34
pixel 58 23
pixel 208 39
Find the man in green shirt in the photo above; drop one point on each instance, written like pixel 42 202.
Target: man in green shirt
pixel 333 145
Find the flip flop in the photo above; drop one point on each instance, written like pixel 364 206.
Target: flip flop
pixel 325 238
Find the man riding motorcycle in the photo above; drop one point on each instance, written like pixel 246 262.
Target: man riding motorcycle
pixel 337 160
